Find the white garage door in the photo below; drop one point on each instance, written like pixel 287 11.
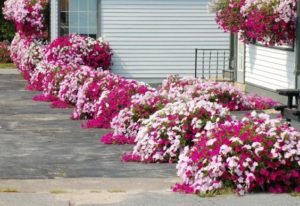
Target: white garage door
pixel 154 38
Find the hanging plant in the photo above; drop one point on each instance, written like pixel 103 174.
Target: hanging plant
pixel 269 22
pixel 228 15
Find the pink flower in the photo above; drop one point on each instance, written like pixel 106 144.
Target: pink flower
pixel 247 169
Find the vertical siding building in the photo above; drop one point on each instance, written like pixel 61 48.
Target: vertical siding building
pixel 266 69
pixel 154 38
pixel 150 38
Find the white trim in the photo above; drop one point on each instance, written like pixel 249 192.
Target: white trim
pixel 54 19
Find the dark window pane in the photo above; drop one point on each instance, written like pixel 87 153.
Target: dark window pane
pixel 64 18
pixel 64 31
pixel 93 36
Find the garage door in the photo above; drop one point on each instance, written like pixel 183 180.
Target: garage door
pixel 154 38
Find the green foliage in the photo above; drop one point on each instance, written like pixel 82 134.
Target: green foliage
pixel 7 30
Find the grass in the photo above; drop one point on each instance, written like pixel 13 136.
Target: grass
pixel 9 190
pixel 7 65
pixel 223 191
pixel 295 194
pixel 95 191
pixel 57 192
pixel 116 191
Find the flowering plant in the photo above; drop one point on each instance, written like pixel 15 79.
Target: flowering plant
pixel 27 15
pixel 253 154
pixel 175 87
pixel 69 86
pixel 112 101
pixel 228 15
pixel 4 53
pixel 26 53
pixel 229 96
pixel 226 94
pixel 167 131
pixel 37 78
pixel 53 78
pixel 69 52
pixel 269 22
pixel 128 121
pixel 76 50
pixel 90 92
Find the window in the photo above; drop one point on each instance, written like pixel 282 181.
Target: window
pixel 78 16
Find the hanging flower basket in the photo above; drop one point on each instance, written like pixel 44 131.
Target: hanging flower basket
pixel 268 22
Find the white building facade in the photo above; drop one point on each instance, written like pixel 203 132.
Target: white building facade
pixel 264 69
pixel 150 38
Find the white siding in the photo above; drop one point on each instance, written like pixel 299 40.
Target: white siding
pixel 54 19
pixel 270 68
pixel 154 38
pixel 240 62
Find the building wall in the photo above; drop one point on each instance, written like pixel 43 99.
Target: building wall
pixel 152 39
pixel 269 68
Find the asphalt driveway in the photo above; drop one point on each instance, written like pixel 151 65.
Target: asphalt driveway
pixel 39 142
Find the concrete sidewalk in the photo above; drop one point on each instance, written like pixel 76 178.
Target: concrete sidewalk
pixel 121 192
pixel 9 71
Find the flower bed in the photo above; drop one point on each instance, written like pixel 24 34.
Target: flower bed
pixel 186 115
pixel 176 88
pixel 69 86
pixel 69 53
pixel 90 92
pixel 127 124
pixel 128 121
pixel 229 96
pixel 254 154
pixel 26 53
pixel 76 50
pixel 177 125
pixel 53 78
pixel 28 16
pixel 36 79
pixel 4 53
pixel 112 101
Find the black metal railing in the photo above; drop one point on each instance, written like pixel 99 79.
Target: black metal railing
pixel 213 64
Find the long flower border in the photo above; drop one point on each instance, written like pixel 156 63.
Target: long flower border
pixel 186 118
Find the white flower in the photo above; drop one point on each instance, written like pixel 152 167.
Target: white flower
pixel 211 142
pixel 224 149
pixel 236 139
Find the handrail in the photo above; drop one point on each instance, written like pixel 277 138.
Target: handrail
pixel 214 63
